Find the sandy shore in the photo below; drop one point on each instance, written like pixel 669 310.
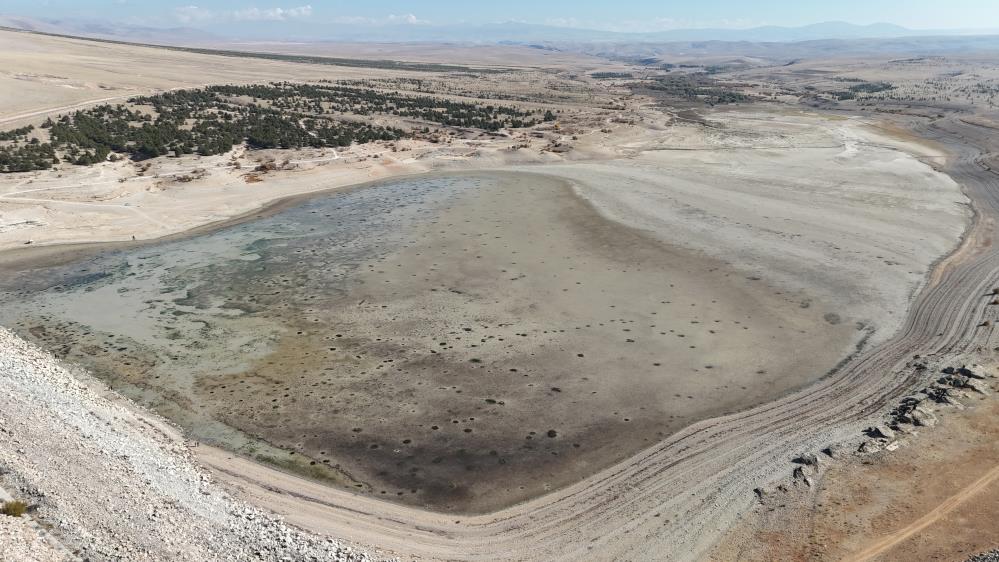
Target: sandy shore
pixel 611 241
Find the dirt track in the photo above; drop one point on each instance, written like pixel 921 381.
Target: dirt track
pixel 886 543
pixel 673 500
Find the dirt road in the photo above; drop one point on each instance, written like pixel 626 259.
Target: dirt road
pixel 886 543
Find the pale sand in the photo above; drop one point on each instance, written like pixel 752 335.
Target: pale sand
pixel 41 73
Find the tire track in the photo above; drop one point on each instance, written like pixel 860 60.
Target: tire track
pixel 673 500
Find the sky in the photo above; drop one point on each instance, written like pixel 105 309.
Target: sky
pixel 614 15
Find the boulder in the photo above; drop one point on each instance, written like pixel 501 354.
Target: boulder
pixel 808 459
pixel 880 431
pixel 972 371
pixel 978 386
pixel 923 418
pixel 868 447
pixel 956 381
pixel 950 400
pixel 903 412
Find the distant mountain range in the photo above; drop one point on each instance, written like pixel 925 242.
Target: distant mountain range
pixel 509 32
pixel 110 30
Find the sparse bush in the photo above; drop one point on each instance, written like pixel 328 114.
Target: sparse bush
pixel 14 508
pixel 212 120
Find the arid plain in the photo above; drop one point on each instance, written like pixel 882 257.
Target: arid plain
pixel 482 328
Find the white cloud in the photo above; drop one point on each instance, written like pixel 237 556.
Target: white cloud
pixel 192 14
pixel 391 19
pixel 272 14
pixel 408 19
pixel 563 22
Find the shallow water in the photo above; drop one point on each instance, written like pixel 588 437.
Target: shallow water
pixel 154 320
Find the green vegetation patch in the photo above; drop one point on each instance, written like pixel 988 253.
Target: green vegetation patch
pixel 871 87
pixel 612 75
pixel 212 120
pixel 693 87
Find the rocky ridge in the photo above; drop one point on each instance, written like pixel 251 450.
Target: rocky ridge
pixel 914 412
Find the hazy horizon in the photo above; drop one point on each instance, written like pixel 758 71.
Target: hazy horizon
pixel 634 16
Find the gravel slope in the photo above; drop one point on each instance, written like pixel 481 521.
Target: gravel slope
pixel 116 485
pixel 20 540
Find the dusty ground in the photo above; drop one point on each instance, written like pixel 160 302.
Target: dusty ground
pixel 488 55
pixel 45 74
pixel 41 74
pixel 935 498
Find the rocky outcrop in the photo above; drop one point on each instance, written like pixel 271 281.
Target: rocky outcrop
pixel 954 384
pixel 917 410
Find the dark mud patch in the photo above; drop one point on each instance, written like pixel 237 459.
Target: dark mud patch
pixel 459 343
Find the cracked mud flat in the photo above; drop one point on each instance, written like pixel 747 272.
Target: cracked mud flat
pixel 460 342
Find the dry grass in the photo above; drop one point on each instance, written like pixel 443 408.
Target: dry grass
pixel 14 508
